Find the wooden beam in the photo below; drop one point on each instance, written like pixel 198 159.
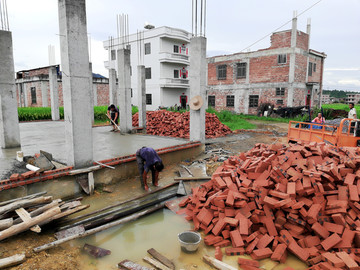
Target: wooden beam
pixel 15 229
pixel 25 216
pixel 100 228
pixel 6 223
pixel 31 196
pixel 217 264
pixel 156 264
pixel 202 178
pixel 161 258
pixel 24 203
pixel 11 261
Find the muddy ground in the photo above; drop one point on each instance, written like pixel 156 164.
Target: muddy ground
pixel 67 255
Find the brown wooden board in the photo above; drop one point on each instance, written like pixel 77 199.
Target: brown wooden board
pixel 161 258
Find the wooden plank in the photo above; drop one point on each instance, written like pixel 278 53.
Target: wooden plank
pixel 161 258
pixel 100 228
pixel 24 203
pixel 65 213
pixel 25 216
pixel 156 264
pixel 217 264
pixel 96 252
pixel 201 178
pixel 11 261
pixel 70 231
pixel 6 223
pixel 31 196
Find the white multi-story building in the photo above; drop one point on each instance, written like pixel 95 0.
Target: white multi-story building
pixel 166 61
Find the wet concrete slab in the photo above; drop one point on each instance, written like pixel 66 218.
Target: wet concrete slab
pixel 50 137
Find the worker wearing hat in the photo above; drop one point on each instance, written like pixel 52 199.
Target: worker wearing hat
pixel 147 159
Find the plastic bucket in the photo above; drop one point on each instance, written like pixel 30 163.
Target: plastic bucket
pixel 189 241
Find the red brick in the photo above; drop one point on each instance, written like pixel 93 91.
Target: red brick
pixel 278 252
pixel 320 230
pixel 236 238
pixel 234 251
pixel 248 262
pixel 218 254
pixel 333 259
pixel 349 262
pixel 330 241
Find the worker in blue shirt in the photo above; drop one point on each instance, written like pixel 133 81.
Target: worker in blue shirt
pixel 147 159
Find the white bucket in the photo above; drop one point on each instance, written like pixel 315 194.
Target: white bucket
pixel 20 155
pixel 189 241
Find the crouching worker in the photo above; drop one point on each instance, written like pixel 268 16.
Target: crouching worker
pixel 147 159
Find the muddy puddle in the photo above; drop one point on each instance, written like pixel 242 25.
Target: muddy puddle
pixel 159 231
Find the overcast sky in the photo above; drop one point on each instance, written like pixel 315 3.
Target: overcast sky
pixel 232 25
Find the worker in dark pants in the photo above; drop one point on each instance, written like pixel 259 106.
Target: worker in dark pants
pixel 147 159
pixel 113 114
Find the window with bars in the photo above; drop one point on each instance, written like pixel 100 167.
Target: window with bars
pixel 230 101
pixel 314 65
pixel 147 48
pixel 148 73
pixel 148 99
pixel 240 70
pixel 253 101
pixel 280 102
pixel 211 101
pixel 310 70
pixel 282 59
pixel 280 91
pixel 33 95
pixel 176 49
pixel 221 72
pixel 113 55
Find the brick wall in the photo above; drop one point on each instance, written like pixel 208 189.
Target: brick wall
pixel 212 73
pixel 39 71
pixel 300 68
pixel 302 40
pixel 280 39
pixel 266 69
pixel 102 94
pixel 315 74
pixel 299 96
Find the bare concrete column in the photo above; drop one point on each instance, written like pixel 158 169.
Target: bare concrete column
pixel 75 81
pixel 124 94
pixel 290 99
pixel 197 76
pixel 91 92
pixel 25 90
pixel 9 119
pixel 141 96
pixel 44 93
pixel 54 94
pixel 95 94
pixel 112 87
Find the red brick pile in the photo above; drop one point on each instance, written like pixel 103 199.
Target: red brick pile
pixel 175 124
pixel 273 199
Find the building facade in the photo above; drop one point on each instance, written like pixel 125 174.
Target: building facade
pixel 165 55
pixel 352 98
pixel 33 88
pixel 325 99
pixel 286 74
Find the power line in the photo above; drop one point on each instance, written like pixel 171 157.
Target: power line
pixel 280 26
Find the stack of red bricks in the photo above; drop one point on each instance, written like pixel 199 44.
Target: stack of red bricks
pixel 273 199
pixel 175 124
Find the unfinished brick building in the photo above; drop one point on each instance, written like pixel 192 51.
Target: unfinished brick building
pixel 286 74
pixel 33 88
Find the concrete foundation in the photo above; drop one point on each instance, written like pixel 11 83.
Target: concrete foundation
pixel 198 76
pixel 9 120
pixel 75 79
pixel 124 92
pixel 112 86
pixel 141 96
pixel 54 94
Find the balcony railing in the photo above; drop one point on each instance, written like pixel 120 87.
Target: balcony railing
pixel 174 83
pixel 174 58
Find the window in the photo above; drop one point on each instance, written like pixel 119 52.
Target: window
pixel 241 70
pixel 314 67
pixel 282 59
pixel 148 99
pixel 221 72
pixel 176 73
pixel 280 91
pixel 147 48
pixel 280 102
pixel 33 95
pixel 130 70
pixel 211 101
pixel 310 69
pixel 253 101
pixel 230 101
pixel 147 73
pixel 113 55
pixel 184 74
pixel 131 92
pixel 128 47
pixel 176 49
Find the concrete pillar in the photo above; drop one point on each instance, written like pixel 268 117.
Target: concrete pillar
pixel 197 76
pixel 112 86
pixel 91 93
pixel 25 90
pixel 95 94
pixel 290 100
pixel 141 96
pixel 9 119
pixel 54 94
pixel 124 86
pixel 75 82
pixel 44 93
